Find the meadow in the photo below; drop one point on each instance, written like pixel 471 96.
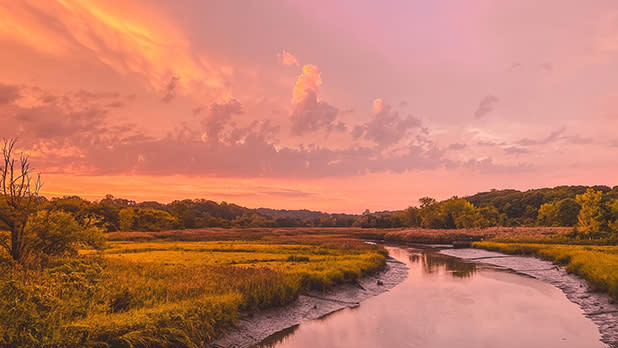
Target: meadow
pixel 597 264
pixel 181 290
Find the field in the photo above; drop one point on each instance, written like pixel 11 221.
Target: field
pixel 181 290
pixel 597 264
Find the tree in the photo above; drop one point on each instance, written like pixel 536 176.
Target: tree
pixel 19 190
pixel 426 202
pixel 56 233
pixel 548 214
pixel 567 212
pixel 590 218
pixel 613 213
pixel 145 220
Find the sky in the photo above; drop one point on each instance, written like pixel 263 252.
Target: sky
pixel 338 106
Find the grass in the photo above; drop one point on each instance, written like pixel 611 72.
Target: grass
pixel 597 264
pixel 432 236
pixel 173 291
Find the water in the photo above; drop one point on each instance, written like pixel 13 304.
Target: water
pixel 446 302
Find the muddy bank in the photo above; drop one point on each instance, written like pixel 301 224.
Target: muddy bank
pixel 597 306
pixel 313 305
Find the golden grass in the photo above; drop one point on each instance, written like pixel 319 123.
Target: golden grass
pixel 597 264
pixel 169 292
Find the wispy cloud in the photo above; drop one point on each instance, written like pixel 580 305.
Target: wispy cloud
pixel 487 105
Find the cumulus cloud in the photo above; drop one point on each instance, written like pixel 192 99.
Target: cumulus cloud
pixel 76 133
pixel 309 113
pixel 386 126
pixel 308 81
pixel 219 115
pixel 487 105
pixel 287 58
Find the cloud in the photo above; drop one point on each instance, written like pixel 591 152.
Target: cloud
pixel 219 115
pixel 123 38
pixel 578 140
pixel 487 105
pixel 169 92
pixel 308 81
pixel 515 150
pixel 8 94
pixel 552 137
pixel 487 166
pixel 287 58
pixel 386 126
pixel 77 133
pixel 457 146
pixel 309 113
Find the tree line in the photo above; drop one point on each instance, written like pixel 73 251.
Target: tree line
pixel 32 225
pixel 592 211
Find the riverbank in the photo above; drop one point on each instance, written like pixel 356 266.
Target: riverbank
pixel 597 306
pixel 161 293
pixel 253 329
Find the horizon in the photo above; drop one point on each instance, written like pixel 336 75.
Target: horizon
pixel 314 210
pixel 293 105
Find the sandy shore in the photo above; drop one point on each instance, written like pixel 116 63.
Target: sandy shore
pixel 313 305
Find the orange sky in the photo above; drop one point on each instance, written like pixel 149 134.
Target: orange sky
pixel 330 106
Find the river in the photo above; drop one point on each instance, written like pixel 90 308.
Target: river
pixel 448 302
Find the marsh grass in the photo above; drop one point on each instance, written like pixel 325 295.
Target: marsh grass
pixel 597 264
pixel 154 292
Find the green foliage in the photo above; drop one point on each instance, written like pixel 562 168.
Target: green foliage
pixel 507 208
pixel 56 233
pixel 139 219
pixel 590 219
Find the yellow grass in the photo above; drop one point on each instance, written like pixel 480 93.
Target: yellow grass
pixel 170 293
pixel 597 264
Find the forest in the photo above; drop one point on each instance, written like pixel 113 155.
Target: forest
pixel 558 206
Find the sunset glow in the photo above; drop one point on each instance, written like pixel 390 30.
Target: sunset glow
pixel 335 106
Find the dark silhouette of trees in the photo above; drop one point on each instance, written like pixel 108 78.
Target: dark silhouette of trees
pixel 19 189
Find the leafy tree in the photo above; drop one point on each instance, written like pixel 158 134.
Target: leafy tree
pixel 567 212
pixel 548 214
pixel 138 219
pixel 489 216
pixel 590 218
pixel 426 202
pixel 613 213
pixel 56 233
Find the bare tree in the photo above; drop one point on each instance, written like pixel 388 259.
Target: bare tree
pixel 19 192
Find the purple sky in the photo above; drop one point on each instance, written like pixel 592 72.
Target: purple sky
pixel 337 106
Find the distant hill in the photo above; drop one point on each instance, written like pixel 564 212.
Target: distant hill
pixel 302 214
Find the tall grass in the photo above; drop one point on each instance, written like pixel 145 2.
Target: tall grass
pixel 597 264
pixel 168 293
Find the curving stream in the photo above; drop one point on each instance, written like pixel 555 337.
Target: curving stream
pixel 448 302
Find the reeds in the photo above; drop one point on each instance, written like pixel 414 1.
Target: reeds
pixel 169 293
pixel 597 264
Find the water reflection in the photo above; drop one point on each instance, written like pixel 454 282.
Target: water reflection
pixel 433 262
pixel 446 302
